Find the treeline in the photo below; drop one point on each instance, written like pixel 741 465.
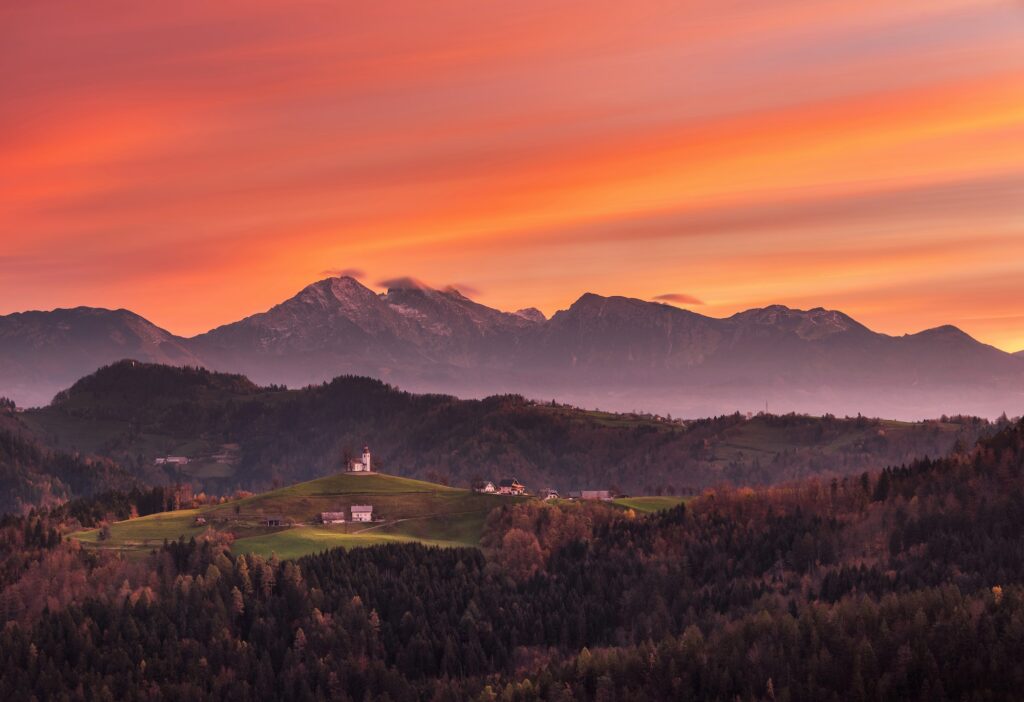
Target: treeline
pixel 905 584
pixel 30 539
pixel 290 436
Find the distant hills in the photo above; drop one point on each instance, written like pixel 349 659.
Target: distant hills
pixel 239 435
pixel 616 353
pixel 44 352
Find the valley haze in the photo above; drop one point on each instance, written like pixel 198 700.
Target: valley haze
pixel 615 353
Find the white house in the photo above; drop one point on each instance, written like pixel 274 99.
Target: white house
pixel 332 517
pixel 487 486
pixel 362 513
pixel 549 494
pixel 363 465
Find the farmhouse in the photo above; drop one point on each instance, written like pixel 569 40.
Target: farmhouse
pixel 363 465
pixel 273 521
pixel 172 460
pixel 332 517
pixel 549 494
pixel 511 486
pixel 484 487
pixel 362 513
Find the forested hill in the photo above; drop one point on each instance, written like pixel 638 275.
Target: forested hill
pixel 903 585
pixel 238 435
pixel 32 475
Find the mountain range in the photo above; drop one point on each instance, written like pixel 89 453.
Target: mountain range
pixel 613 352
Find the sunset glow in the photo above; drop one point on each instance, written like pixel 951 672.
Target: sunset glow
pixel 197 162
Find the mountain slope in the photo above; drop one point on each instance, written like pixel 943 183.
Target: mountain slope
pixel 613 352
pixel 41 352
pixel 338 326
pixel 619 353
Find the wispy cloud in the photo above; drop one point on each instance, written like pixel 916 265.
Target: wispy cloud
pixel 679 298
pixel 464 289
pixel 344 273
pixel 159 153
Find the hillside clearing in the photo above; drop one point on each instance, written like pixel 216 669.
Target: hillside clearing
pixel 404 510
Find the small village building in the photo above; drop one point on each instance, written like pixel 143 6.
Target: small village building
pixel 549 494
pixel 332 517
pixel 573 495
pixel 362 513
pixel 511 486
pixel 363 465
pixel 273 521
pixel 485 487
pixel 604 495
pixel 172 460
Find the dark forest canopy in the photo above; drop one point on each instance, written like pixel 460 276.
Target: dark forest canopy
pixel 904 584
pixel 33 475
pixel 134 412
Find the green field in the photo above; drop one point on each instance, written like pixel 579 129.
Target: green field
pixel 410 510
pixel 300 541
pixel 146 532
pixel 646 505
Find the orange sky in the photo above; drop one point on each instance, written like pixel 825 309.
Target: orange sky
pixel 199 161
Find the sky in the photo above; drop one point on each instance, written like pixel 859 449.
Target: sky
pixel 199 161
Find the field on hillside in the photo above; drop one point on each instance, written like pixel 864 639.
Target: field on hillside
pixel 626 420
pixel 404 510
pixel 762 438
pixel 302 541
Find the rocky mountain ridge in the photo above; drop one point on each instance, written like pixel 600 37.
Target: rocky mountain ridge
pixel 611 352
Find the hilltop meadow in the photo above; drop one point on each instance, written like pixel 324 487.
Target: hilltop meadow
pixel 404 511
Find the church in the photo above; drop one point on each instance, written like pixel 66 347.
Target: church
pixel 362 465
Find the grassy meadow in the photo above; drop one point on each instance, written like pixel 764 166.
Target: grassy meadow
pixel 409 510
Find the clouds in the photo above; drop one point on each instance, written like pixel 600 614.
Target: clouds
pixel 407 282
pixel 760 152
pixel 404 282
pixel 679 298
pixel 464 289
pixel 356 273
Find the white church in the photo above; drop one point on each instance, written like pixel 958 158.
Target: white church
pixel 363 465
